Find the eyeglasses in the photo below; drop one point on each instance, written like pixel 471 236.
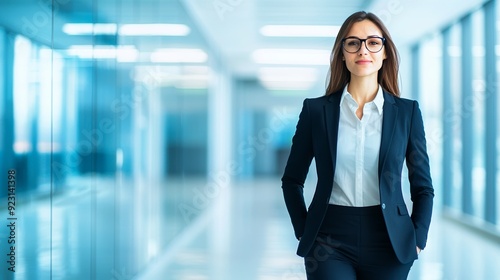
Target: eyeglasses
pixel 373 44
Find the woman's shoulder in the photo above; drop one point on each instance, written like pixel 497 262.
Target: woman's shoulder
pixel 322 99
pixel 316 103
pixel 407 107
pixel 403 101
pixel 318 98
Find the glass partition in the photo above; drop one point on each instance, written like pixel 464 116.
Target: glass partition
pixel 453 116
pixel 478 111
pixel 431 105
pixel 105 109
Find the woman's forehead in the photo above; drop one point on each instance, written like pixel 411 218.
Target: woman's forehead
pixel 364 29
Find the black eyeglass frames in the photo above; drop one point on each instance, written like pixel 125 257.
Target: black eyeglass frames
pixel 373 44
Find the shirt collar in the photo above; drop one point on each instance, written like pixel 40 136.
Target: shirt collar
pixel 378 101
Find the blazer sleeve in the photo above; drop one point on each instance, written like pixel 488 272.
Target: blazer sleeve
pixel 296 170
pixel 421 189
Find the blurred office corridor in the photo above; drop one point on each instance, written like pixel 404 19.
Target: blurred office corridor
pixel 145 139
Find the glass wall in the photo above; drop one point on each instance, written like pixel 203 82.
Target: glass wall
pixel 452 116
pixel 477 110
pixel 430 79
pixel 493 89
pixel 105 127
pixel 469 103
pixel 265 125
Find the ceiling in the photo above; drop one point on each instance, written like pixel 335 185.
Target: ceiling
pixel 232 26
pixel 229 28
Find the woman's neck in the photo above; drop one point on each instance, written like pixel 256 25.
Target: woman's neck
pixel 363 89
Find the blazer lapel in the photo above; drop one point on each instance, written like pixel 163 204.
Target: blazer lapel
pixel 388 124
pixel 332 114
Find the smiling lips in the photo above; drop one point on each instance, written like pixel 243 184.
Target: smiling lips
pixel 362 61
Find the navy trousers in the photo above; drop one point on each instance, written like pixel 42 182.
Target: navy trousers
pixel 353 243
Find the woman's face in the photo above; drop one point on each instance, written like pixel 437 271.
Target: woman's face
pixel 364 63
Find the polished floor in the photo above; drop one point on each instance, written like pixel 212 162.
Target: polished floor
pixel 250 237
pixel 244 233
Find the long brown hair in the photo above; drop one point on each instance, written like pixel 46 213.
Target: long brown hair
pixel 339 75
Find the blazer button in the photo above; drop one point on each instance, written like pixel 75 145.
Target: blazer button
pixel 383 205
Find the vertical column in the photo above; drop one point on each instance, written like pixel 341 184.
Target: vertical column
pixel 221 166
pixel 415 71
pixel 219 127
pixel 6 101
pixel 155 170
pixel 143 177
pixel 245 154
pixel 447 110
pixel 490 203
pixel 466 116
pixel 155 141
pixel 265 160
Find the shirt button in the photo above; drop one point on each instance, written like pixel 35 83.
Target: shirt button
pixel 383 205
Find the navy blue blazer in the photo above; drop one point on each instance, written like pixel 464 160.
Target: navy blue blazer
pixel 403 137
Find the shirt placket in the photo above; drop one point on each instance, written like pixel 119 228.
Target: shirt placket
pixel 360 150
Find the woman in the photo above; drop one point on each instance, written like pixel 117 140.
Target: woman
pixel 360 133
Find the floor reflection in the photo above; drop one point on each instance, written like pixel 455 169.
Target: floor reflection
pixel 262 246
pixel 242 233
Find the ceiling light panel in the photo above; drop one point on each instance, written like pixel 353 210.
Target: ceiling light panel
pixel 90 28
pixel 120 53
pixel 155 29
pixel 179 56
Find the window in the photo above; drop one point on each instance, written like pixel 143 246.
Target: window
pixel 453 115
pixel 477 111
pixel 431 104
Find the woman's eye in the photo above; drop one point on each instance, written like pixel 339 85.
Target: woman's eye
pixel 374 42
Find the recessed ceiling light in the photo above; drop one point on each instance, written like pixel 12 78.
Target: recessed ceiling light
pixel 179 76
pixel 155 29
pixel 120 53
pixel 90 28
pixel 179 56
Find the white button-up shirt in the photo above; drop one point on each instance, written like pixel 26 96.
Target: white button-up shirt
pixel 356 181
